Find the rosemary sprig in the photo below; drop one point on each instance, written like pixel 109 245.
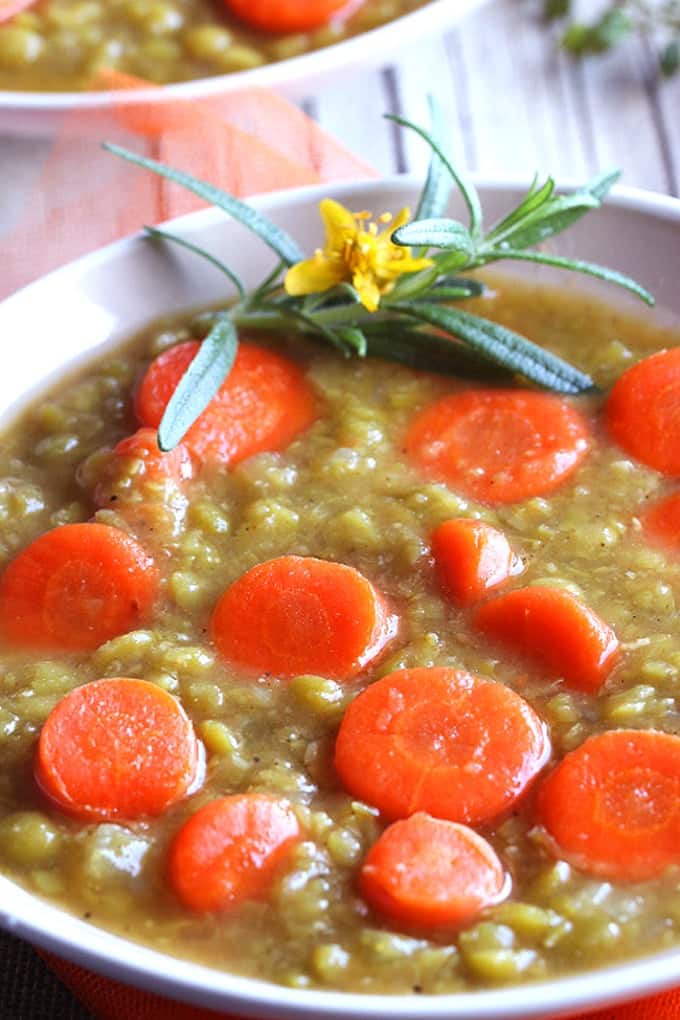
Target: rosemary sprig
pixel 366 295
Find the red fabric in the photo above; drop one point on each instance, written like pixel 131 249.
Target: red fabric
pixel 111 1001
pixel 245 142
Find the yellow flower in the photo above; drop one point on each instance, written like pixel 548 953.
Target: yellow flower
pixel 355 252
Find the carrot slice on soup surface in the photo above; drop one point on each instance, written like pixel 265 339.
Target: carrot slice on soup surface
pixel 472 558
pixel 661 522
pixel 426 872
pixel 118 748
pixel 612 806
pixel 297 614
pixel 75 587
pixel 643 411
pixel 498 446
pixel 441 741
pixel 556 629
pixel 286 15
pixel 231 851
pixel 263 405
pixel 136 460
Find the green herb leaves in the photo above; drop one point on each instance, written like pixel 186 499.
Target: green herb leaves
pixel 200 382
pixel 277 239
pixel 540 215
pixel 507 349
pixel 346 298
pixel 658 19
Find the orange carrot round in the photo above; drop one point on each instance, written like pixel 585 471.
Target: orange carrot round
pixel 263 404
pixel 286 15
pixel 296 614
pixel 556 629
pixel 472 558
pixel 498 446
pixel 425 872
pixel 661 522
pixel 231 850
pixel 141 450
pixel 118 748
pixel 643 411
pixel 75 587
pixel 441 741
pixel 612 806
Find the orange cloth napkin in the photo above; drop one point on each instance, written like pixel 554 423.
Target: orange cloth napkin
pixel 246 142
pixel 111 1001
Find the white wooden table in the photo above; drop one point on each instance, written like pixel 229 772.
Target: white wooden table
pixel 515 105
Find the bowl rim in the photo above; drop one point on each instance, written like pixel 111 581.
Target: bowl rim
pixel 133 963
pixel 366 48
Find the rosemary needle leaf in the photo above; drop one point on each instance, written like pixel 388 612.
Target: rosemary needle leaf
pixel 354 338
pixel 435 195
pixel 510 350
pixel 534 198
pixel 465 186
pixel 473 287
pixel 438 294
pixel 165 235
pixel 601 185
pixel 277 239
pixel 578 266
pixel 200 382
pixel 435 233
pixel 429 352
pixel 550 218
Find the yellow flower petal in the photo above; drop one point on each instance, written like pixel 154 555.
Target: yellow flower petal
pixel 368 291
pixel 355 250
pixel 395 267
pixel 339 223
pixel 399 220
pixel 315 275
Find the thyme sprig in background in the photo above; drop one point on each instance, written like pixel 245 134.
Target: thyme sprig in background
pixel 659 20
pixel 389 288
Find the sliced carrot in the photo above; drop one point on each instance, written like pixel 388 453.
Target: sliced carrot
pixel 556 629
pixel 75 587
pixel 263 405
pixel 472 558
pixel 442 741
pixel 118 748
pixel 297 614
pixel 498 446
pixel 286 15
pixel 8 8
pixel 143 447
pixel 425 872
pixel 612 806
pixel 137 459
pixel 231 850
pixel 643 411
pixel 661 522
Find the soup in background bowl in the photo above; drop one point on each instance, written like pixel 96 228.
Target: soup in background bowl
pixel 51 63
pixel 257 721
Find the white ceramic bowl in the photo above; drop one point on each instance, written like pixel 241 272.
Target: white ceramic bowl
pixel 97 301
pixel 40 113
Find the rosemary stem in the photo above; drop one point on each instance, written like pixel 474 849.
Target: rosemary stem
pixel 347 314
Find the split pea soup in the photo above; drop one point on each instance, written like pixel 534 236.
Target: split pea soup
pixel 372 682
pixel 62 45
